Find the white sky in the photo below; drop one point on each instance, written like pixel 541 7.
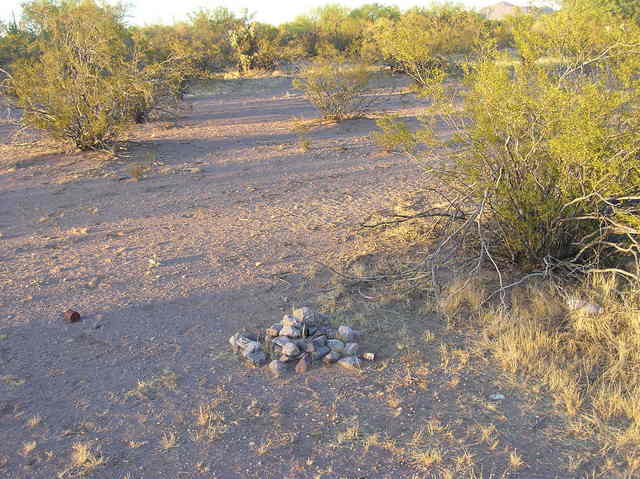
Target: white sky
pixel 270 11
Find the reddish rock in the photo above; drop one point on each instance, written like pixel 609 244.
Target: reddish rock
pixel 303 364
pixel 71 316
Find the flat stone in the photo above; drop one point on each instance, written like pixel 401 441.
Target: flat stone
pixel 321 352
pixel 280 341
pixel 290 350
pixel 331 357
pixel 287 359
pixel 335 345
pixel 290 332
pixel 310 330
pixel 242 342
pixel 251 347
pixel 351 349
pixel 257 358
pixel 274 330
pixel 320 340
pixel 350 362
pixel 277 367
pixel 310 347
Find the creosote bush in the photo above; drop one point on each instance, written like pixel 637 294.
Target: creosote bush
pixel 545 154
pixel 339 89
pixel 88 82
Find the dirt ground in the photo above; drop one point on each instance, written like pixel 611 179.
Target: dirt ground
pixel 225 230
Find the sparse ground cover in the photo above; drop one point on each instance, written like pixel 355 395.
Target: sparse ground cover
pixel 194 228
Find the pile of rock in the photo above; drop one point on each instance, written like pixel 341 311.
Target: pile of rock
pixel 300 339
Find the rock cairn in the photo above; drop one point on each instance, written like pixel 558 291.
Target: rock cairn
pixel 299 341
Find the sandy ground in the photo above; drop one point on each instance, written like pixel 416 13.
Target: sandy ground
pixel 223 232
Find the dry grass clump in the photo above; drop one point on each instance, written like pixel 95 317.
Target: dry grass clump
pixel 589 362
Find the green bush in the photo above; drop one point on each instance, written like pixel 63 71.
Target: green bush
pixel 88 82
pixel 547 156
pixel 340 90
pixel 422 42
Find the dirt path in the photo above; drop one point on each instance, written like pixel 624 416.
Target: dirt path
pixel 222 233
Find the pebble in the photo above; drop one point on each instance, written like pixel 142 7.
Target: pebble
pixel 350 362
pixel 331 357
pixel 351 349
pixel 497 397
pixel 290 350
pixel 335 345
pixel 369 356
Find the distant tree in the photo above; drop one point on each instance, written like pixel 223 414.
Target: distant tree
pixel 371 12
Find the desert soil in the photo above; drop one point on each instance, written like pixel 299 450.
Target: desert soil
pixel 226 230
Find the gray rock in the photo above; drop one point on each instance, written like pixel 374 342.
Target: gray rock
pixel 287 359
pixel 351 349
pixel 291 321
pixel 290 350
pixel 320 340
pixel 232 341
pixel 310 330
pixel 346 334
pixel 335 345
pixel 277 367
pixel 350 362
pixel 304 314
pixel 310 347
pixel 331 357
pixel 497 397
pixel 256 359
pixel 251 347
pixel 576 304
pixel 240 342
pixel 280 341
pixel 321 352
pixel 274 330
pixel 290 332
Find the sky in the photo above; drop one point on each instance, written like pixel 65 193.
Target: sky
pixel 268 11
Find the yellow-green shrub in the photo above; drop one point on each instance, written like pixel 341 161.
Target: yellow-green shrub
pixel 339 89
pixel 547 150
pixel 88 82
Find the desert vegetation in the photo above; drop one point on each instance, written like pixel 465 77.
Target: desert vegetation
pixel 512 241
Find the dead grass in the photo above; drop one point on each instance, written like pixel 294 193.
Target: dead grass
pixel 84 460
pixel 590 363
